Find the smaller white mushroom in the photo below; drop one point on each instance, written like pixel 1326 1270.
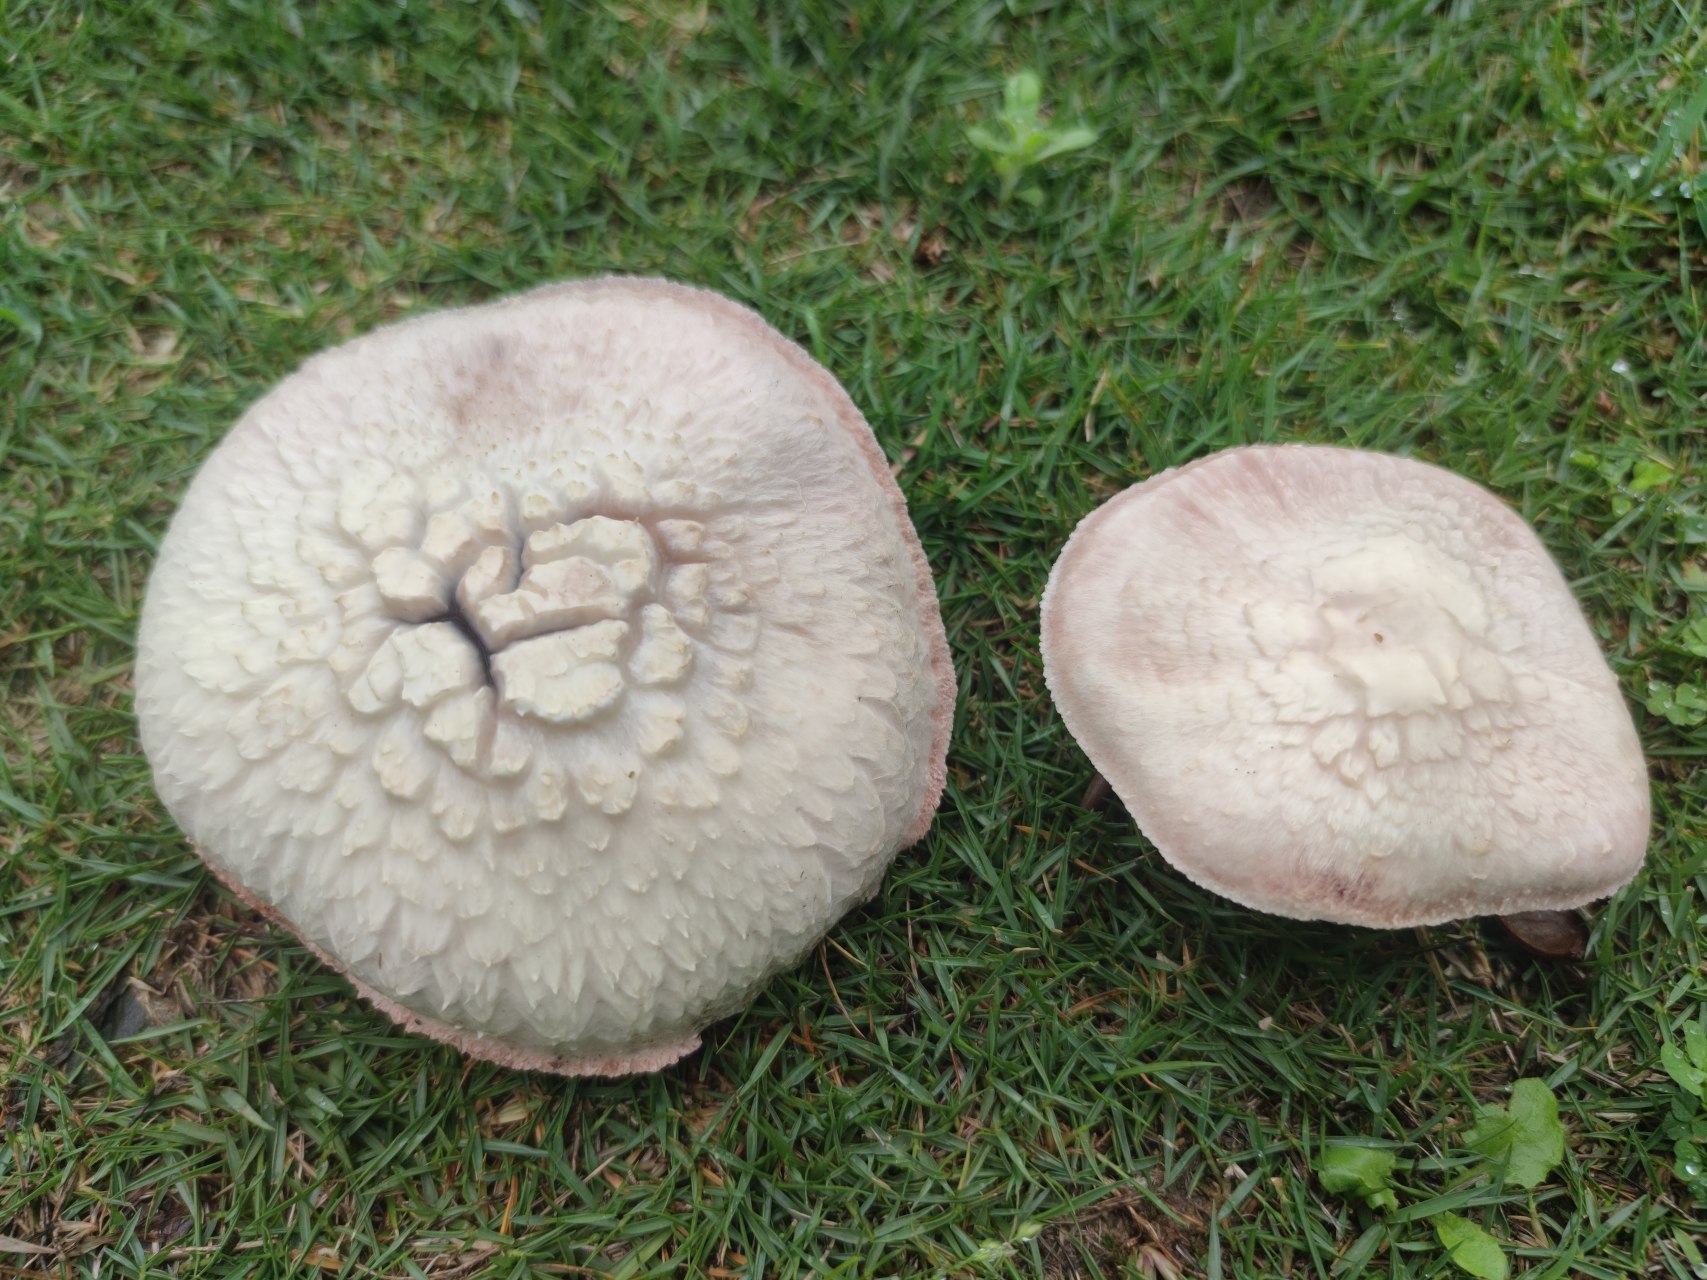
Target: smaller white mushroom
pixel 1345 686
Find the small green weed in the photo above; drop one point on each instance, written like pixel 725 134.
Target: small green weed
pixel 1519 1145
pixel 1633 476
pixel 1690 636
pixel 1686 1126
pixel 1685 705
pixel 1022 140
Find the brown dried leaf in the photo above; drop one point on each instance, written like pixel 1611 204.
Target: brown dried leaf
pixel 1548 935
pixel 11 1244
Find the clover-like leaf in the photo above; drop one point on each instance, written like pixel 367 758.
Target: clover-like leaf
pixel 1685 705
pixel 1472 1249
pixel 1689 1163
pixel 1687 1066
pixel 1527 1138
pixel 1690 636
pixel 1361 1171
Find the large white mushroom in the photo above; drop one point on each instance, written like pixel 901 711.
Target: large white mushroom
pixel 559 669
pixel 1345 686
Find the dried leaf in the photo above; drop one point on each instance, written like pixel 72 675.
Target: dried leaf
pixel 11 1244
pixel 1549 935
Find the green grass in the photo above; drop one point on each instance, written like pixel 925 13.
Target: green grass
pixel 1456 229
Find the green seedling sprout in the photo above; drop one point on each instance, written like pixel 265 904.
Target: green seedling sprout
pixel 1022 140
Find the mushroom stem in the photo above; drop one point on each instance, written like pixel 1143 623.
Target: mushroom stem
pixel 1097 793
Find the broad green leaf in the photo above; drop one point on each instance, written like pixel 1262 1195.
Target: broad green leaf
pixel 1690 636
pixel 1691 1163
pixel 1022 95
pixel 1471 1248
pixel 1695 1043
pixel 1687 1066
pixel 1526 1139
pixel 1066 140
pixel 1649 474
pixel 1683 1073
pixel 1361 1171
pixel 1614 469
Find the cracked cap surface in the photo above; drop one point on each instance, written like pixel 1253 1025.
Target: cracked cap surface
pixel 1345 686
pixel 559 668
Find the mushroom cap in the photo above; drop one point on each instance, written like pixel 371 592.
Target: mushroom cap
pixel 559 669
pixel 1346 686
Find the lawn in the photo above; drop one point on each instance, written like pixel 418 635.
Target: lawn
pixel 1464 231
